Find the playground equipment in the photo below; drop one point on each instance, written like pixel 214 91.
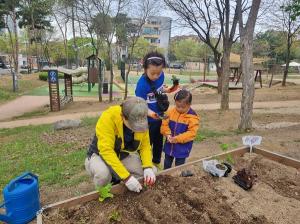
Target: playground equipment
pixel 57 101
pixel 21 199
pixel 94 72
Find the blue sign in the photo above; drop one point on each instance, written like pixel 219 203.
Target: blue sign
pixel 53 76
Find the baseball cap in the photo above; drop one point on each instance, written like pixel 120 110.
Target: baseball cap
pixel 135 110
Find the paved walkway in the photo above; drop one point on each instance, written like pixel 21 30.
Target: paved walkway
pixel 289 105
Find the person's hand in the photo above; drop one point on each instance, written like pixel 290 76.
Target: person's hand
pixel 172 140
pixel 149 177
pixel 169 137
pixel 133 184
pixel 154 115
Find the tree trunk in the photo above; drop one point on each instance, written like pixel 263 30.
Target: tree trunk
pixel 16 61
pixel 287 61
pixel 67 53
pixel 111 74
pixel 225 77
pixel 217 61
pixel 74 37
pixel 248 84
pixel 126 81
pixel 204 68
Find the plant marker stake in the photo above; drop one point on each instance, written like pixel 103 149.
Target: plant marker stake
pixel 251 140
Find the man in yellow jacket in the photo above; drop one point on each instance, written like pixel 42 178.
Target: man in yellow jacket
pixel 121 147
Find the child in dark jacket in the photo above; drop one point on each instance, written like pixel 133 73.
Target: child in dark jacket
pixel 180 129
pixel 153 77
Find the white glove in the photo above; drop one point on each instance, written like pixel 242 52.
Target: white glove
pixel 149 177
pixel 133 184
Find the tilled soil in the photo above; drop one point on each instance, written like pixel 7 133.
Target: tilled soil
pixel 201 199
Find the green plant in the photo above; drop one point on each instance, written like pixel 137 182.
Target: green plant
pixel 224 147
pixel 229 159
pixel 115 216
pixel 104 192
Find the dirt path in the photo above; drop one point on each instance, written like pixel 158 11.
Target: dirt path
pixel 289 105
pixel 22 105
pixel 25 104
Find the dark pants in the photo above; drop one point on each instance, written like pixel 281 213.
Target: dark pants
pixel 169 160
pixel 156 140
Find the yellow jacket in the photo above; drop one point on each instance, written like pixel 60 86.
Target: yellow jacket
pixel 109 129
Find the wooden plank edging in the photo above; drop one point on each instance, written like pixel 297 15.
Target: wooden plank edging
pixel 277 157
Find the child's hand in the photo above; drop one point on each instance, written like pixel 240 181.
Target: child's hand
pixel 171 139
pixel 153 115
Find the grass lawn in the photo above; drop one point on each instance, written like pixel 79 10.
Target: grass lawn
pixel 24 149
pixel 26 83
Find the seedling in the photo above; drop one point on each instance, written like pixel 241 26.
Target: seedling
pixel 115 216
pixel 104 192
pixel 229 159
pixel 224 147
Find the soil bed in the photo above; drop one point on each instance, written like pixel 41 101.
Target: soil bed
pixel 275 198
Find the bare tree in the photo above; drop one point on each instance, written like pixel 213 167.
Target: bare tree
pixel 290 25
pixel 107 12
pixel 199 16
pixel 228 28
pixel 213 21
pixel 246 30
pixel 61 16
pixel 143 9
pixel 14 42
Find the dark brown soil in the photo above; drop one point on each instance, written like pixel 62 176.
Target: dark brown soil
pixel 201 199
pixel 172 200
pixel 284 180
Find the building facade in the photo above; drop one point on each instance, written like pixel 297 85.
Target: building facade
pixel 157 31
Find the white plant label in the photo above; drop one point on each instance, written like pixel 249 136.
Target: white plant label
pixel 252 140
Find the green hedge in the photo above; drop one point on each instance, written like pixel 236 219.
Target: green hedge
pixel 44 76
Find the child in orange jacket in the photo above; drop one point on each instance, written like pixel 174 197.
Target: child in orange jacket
pixel 180 129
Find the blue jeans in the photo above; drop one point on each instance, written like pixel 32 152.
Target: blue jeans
pixel 156 140
pixel 169 160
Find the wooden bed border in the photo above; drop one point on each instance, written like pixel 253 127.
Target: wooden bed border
pixel 120 188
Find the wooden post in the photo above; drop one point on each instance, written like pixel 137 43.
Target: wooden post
pixel 100 80
pixel 54 90
pixel 68 86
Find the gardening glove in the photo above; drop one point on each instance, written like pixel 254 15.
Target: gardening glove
pixel 149 177
pixel 133 184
